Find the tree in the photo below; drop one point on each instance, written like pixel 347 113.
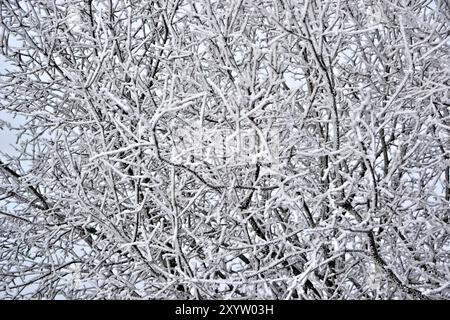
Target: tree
pixel 220 149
